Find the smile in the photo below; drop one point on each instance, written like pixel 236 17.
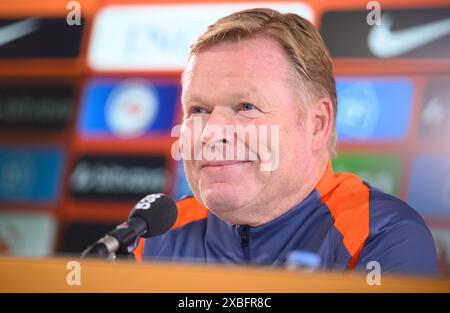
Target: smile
pixel 223 163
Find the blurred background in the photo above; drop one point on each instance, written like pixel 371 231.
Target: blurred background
pixel 89 93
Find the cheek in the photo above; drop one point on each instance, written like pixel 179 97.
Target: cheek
pixel 293 145
pixel 191 175
pixel 190 138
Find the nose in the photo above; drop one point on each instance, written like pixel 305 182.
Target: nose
pixel 215 128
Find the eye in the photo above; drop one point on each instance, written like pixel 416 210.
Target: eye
pixel 197 110
pixel 247 107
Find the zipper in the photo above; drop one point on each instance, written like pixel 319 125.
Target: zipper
pixel 245 242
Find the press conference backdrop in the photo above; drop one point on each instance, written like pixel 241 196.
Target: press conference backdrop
pixel 86 111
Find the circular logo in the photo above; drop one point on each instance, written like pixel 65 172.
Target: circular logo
pixel 17 176
pixel 131 108
pixel 359 111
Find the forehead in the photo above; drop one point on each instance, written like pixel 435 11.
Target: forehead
pixel 243 66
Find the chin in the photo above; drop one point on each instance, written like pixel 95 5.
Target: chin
pixel 221 198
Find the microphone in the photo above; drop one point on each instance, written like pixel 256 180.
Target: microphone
pixel 153 215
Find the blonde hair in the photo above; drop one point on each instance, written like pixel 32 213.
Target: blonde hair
pixel 312 67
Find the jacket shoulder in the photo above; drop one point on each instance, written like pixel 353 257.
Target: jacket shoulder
pixel 398 239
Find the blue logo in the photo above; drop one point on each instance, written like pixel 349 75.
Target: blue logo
pixel 302 259
pixel 128 108
pixel 429 187
pixel 373 109
pixel 30 175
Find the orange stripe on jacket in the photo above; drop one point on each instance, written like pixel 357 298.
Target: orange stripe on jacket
pixel 139 250
pixel 189 210
pixel 347 198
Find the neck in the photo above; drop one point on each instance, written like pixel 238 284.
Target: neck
pixel 287 203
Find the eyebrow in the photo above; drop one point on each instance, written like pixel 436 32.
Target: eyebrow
pixel 234 96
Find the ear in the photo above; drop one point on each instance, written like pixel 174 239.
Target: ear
pixel 321 117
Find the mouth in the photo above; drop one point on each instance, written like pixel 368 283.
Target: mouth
pixel 218 164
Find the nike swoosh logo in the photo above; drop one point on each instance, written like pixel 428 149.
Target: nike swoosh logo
pixel 17 30
pixel 384 43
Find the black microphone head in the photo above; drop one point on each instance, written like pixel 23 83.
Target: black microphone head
pixel 158 211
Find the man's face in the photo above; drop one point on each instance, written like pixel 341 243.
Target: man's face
pixel 244 84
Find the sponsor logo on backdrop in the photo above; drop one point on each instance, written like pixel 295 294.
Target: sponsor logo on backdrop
pixel 373 108
pixel 109 177
pixel 18 174
pixel 359 110
pixel 131 109
pixel 380 170
pixel 35 107
pixel 128 108
pixel 39 37
pixel 26 234
pixel 403 33
pixel 435 117
pixel 429 186
pixel 16 30
pixel 158 37
pixel 383 42
pixel 30 175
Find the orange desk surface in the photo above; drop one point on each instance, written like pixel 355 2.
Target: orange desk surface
pixel 49 275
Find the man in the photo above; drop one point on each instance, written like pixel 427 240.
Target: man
pixel 260 68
